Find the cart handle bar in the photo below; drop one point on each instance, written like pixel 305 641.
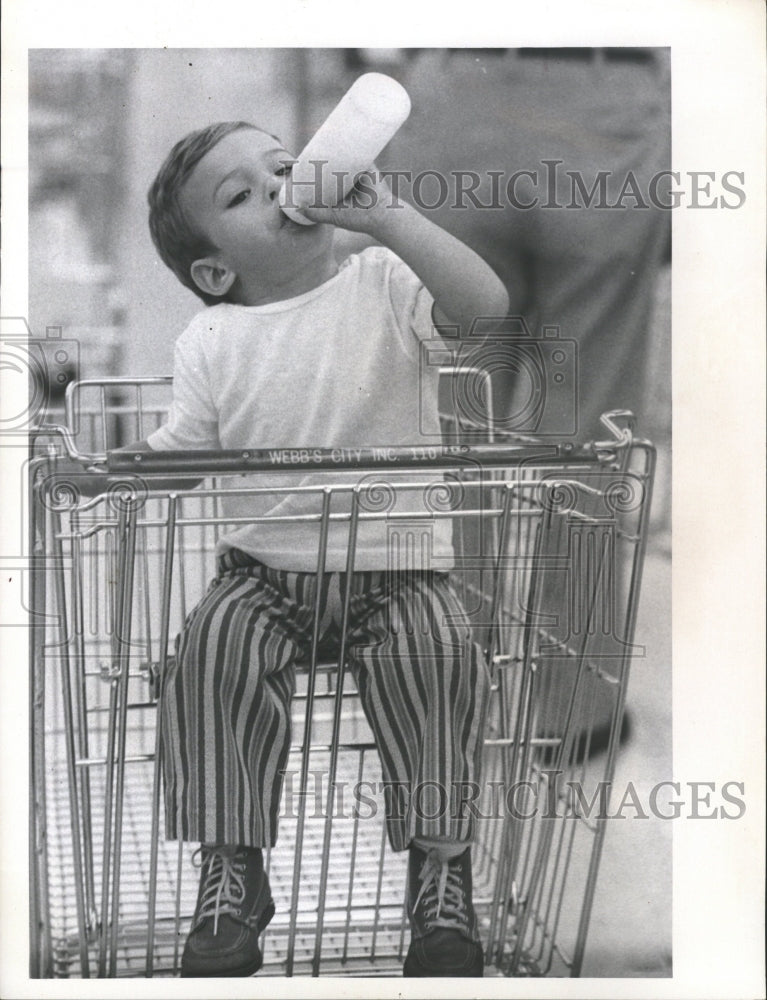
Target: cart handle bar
pixel 241 461
pixel 221 462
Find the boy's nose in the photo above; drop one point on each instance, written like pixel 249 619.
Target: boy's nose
pixel 273 186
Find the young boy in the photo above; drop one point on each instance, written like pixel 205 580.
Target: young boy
pixel 296 351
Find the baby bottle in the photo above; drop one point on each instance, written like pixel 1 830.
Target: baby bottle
pixel 345 145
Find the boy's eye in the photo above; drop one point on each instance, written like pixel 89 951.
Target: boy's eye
pixel 283 169
pixel 238 198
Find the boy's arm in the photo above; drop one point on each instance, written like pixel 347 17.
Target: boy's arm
pixel 463 285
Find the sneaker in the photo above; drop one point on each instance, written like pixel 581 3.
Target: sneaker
pixel 444 935
pixel 234 904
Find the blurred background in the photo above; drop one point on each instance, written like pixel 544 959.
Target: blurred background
pixel 102 121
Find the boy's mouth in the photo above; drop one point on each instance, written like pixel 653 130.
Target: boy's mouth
pixel 295 227
pixel 287 223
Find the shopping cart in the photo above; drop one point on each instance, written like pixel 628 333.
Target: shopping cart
pixel 549 540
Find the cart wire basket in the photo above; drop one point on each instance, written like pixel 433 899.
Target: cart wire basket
pixel 549 539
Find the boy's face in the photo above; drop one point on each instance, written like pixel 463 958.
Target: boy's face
pixel 232 197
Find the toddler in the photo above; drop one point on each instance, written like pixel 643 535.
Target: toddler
pixel 297 351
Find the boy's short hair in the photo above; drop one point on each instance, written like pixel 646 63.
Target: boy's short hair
pixel 178 242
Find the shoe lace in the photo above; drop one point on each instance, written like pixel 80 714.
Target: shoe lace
pixel 223 889
pixel 442 893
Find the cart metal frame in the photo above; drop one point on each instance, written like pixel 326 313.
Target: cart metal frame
pixel 550 540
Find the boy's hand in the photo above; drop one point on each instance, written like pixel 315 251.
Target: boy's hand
pixel 363 209
pixel 463 285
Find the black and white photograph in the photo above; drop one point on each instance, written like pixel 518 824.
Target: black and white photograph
pixel 379 574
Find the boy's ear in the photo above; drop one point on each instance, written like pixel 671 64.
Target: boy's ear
pixel 212 276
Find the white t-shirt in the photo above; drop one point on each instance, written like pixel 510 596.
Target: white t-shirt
pixel 336 367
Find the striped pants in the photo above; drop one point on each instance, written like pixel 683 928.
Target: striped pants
pixel 422 682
